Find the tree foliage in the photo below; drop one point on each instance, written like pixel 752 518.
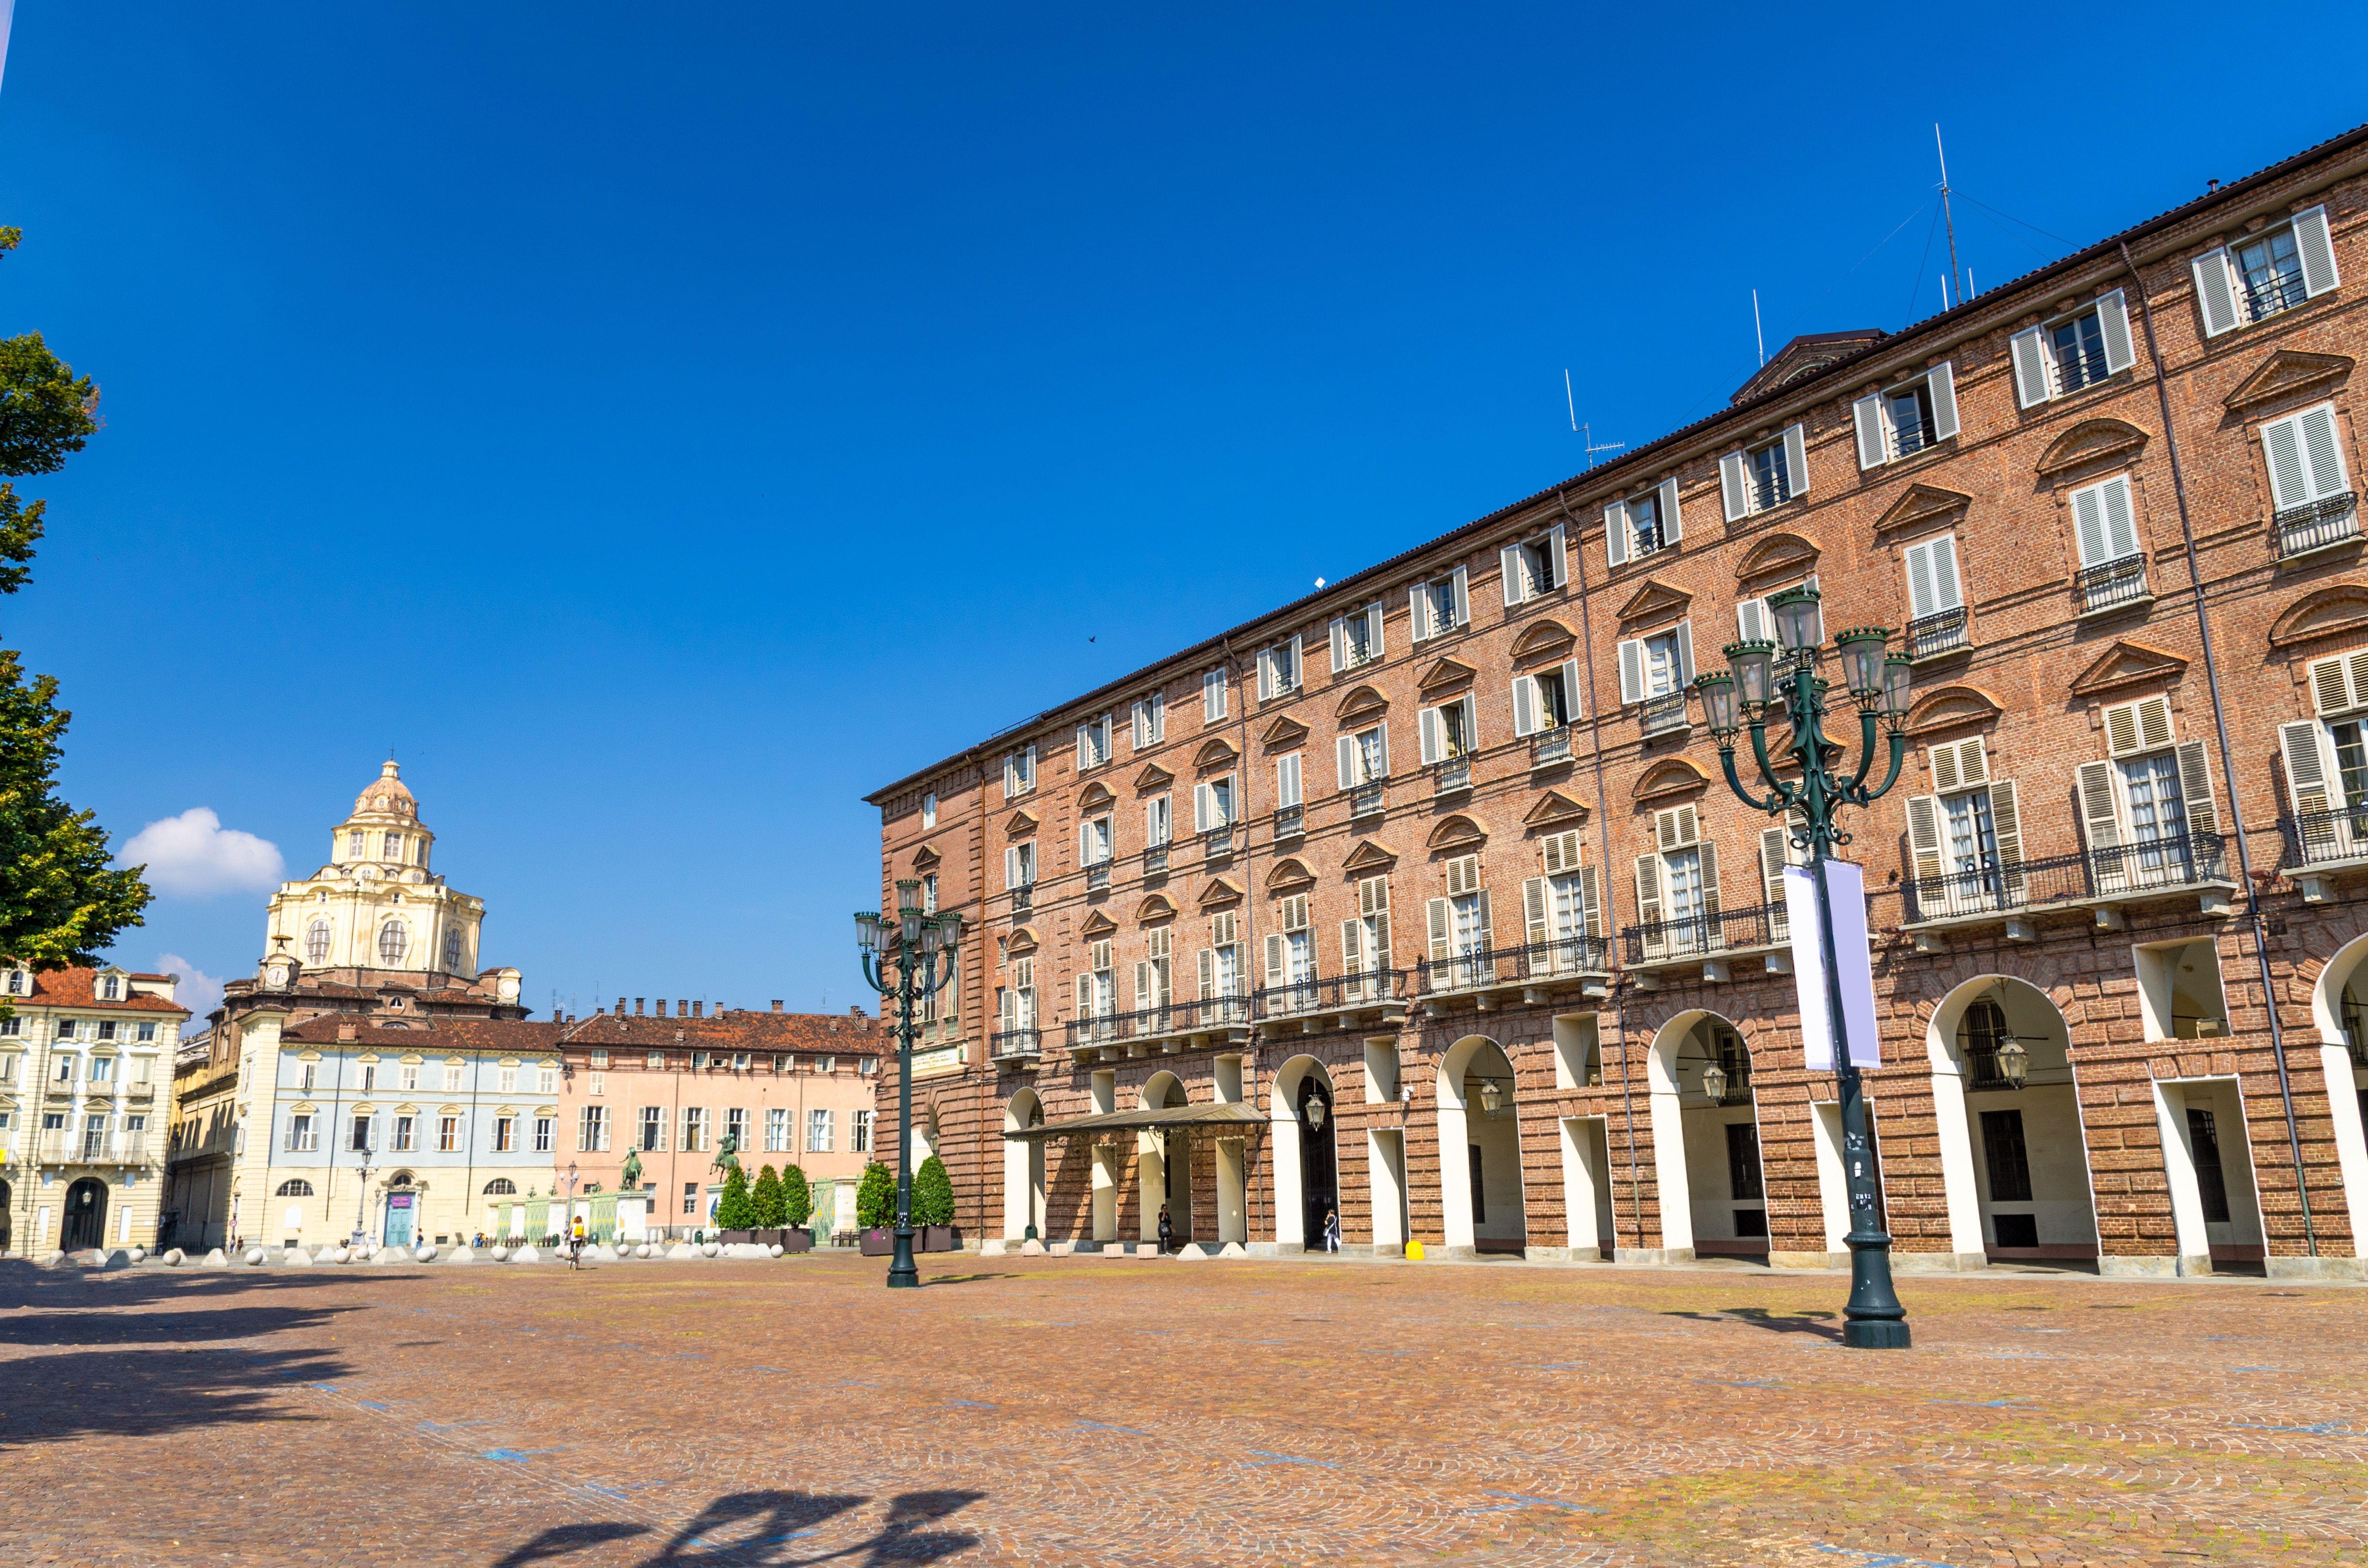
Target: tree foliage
pixel 933 1194
pixel 765 1201
pixel 875 1200
pixel 45 411
pixel 797 1196
pixel 734 1211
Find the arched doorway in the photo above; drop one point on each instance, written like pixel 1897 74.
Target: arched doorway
pixel 2013 1154
pixel 2340 1001
pixel 1481 1200
pixel 399 1222
pixel 1164 1164
pixel 1023 1169
pixel 86 1223
pixel 1306 1164
pixel 1706 1139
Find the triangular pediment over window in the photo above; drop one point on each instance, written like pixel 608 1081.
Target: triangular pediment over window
pixel 1553 806
pixel 1096 925
pixel 928 858
pixel 1653 602
pixel 2091 443
pixel 2325 613
pixel 1018 824
pixel 1154 777
pixel 1096 796
pixel 1284 731
pixel 1219 892
pixel 1542 640
pixel 1777 555
pixel 1952 708
pixel 1215 754
pixel 2128 664
pixel 2289 372
pixel 1446 673
pixel 1923 506
pixel 1456 831
pixel 1287 873
pixel 1154 908
pixel 1368 857
pixel 1670 775
pixel 1363 703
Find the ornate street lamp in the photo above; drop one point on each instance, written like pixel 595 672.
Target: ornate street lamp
pixel 1783 682
pixel 920 948
pixel 1714 1081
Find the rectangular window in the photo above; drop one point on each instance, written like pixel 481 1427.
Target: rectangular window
pixel 1286 781
pixel 1449 731
pixel 656 1060
pixel 1212 697
pixel 2061 356
pixel 447 1134
pixel 1439 606
pixel 106 1029
pixel 1658 666
pixel 546 1134
pixel 1760 478
pixel 592 1130
pixel 1907 419
pixel 1212 804
pixel 1363 757
pixel 691 1198
pixel 818 1131
pixel 1093 743
pixel 652 1128
pixel 777 1130
pixel 596 1084
pixel 452 1077
pixel 1149 720
pixel 735 1123
pixel 354 845
pixel 1546 701
pixel 929 906
pixel 64 1071
pixel 694 1131
pixel 1534 567
pixel 1743 1160
pixel 147 1031
pixel 860 1139
pixel 1278 670
pixel 1020 865
pixel 929 809
pixel 546 1080
pixel 504 1135
pixel 2305 460
pixel 1020 772
pixel 1094 841
pixel 506 1078
pixel 2267 272
pixel 301 1138
pixel 1640 524
pixel 1357 638
pixel 360 1133
pixel 369 1076
pixel 102 1068
pixel 1158 824
pixel 407 1076
pixel 2003 1152
pixel 406 1134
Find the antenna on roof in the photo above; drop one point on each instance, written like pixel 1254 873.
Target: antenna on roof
pixel 1756 331
pixel 1586 434
pixel 1950 216
pixel 1570 400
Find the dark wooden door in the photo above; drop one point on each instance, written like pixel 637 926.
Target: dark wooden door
pixel 85 1215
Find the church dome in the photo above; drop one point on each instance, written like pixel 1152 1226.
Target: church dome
pixel 387 795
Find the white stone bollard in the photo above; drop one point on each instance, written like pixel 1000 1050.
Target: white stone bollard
pixel 424 1253
pixel 525 1255
pixel 255 1258
pixel 174 1258
pixel 138 1253
pixel 296 1257
pixel 463 1253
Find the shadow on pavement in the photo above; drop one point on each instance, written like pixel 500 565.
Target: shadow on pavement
pixel 148 1392
pixel 759 1528
pixel 1821 1325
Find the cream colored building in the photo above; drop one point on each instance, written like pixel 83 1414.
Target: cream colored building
pixel 82 1117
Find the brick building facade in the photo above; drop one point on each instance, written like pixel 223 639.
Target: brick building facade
pixel 1423 896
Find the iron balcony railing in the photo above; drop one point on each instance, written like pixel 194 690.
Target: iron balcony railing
pixel 1912 438
pixel 1770 490
pixel 2319 839
pixel 1155 861
pixel 1217 843
pixel 1929 635
pixel 1014 1045
pixel 2280 291
pixel 1664 715
pixel 1568 958
pixel 1701 936
pixel 1549 746
pixel 2114 582
pixel 2080 369
pixel 2332 519
pixel 1453 774
pixel 1023 898
pixel 1097 877
pixel 1171 1021
pixel 2178 861
pixel 1365 800
pixel 1328 993
pixel 1288 820
pixel 1982 1070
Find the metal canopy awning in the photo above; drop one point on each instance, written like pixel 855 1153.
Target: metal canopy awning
pixel 1138 1120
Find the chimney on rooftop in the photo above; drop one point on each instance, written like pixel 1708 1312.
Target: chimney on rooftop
pixel 637 1007
pixel 347 1030
pixel 621 1006
pixel 661 1012
pixel 777 1004
pixel 857 1013
pixel 698 1009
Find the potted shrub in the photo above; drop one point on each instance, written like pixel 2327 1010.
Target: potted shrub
pixel 766 1209
pixel 797 1205
pixel 933 1207
pixel 875 1210
pixel 735 1214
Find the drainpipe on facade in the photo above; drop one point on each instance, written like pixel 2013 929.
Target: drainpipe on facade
pixel 2227 758
pixel 1604 836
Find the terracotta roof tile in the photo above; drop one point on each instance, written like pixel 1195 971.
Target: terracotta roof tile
pixel 517 1036
pixel 825 1033
pixel 78 988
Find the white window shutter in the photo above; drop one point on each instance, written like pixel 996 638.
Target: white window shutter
pixel 1873 451
pixel 1298 663
pixel 1948 593
pixel 2006 821
pixel 1275 951
pixel 2311 786
pixel 1208 973
pixel 2100 809
pixel 1085 844
pixel 1632 671
pixel 2316 250
pixel 1649 903
pixel 1730 486
pixel 1486 934
pixel 1012 867
pixel 1373 627
pixel 1751 620
pixel 1772 857
pixel 1431 746
pixel 1616 533
pixel 2031 382
pixel 1348 761
pixel 1201 823
pixel 1418 613
pixel 1463 600
pixel 1943 382
pixel 1339 646
pixel 2216 292
pixel 2289 480
pixel 2121 520
pixel 1382 735
pixel 1265 673
pixel 2195 784
pixel 1673 526
pixel 1537 926
pixel 1796 458
pixel 1085 746
pixel 1686 652
pixel 1570 690
pixel 1441 927
pixel 1709 878
pixel 2113 321
pixel 1922 599
pixel 1924 842
pixel 1557 561
pixel 1286 781
pixel 1471 723
pixel 1525 705
pixel 2322 450
pixel 1352 937
pixel 1508 560
pixel 2089 525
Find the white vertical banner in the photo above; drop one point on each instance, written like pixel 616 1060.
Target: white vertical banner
pixel 1854 955
pixel 7 22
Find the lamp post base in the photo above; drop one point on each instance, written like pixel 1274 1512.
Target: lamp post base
pixel 902 1275
pixel 1873 1319
pixel 1875 1333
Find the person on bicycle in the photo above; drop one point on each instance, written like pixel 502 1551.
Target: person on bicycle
pixel 575 1244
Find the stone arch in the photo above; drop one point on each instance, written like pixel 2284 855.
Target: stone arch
pixel 1293 1141
pixel 1457 833
pixel 1966 1086
pixel 1024 1167
pixel 1692 1155
pixel 1159 1179
pixel 2088 444
pixel 1777 555
pixel 2342 976
pixel 1363 702
pixel 2336 610
pixel 1289 872
pixel 1951 707
pixel 1670 775
pixel 1155 906
pixel 1464 1127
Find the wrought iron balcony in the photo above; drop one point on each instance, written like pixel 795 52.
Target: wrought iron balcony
pixel 1549 746
pixel 1217 843
pixel 2079 369
pixel 1451 776
pixel 1155 861
pixel 1665 715
pixel 1014 1045
pixel 1534 963
pixel 1287 820
pixel 2324 838
pixel 2332 519
pixel 2282 290
pixel 1770 490
pixel 1929 636
pixel 2113 584
pixel 1701 936
pixel 1097 877
pixel 1982 1070
pixel 1909 439
pixel 1313 997
pixel 1175 1021
pixel 1365 800
pixel 2157 865
pixel 1023 898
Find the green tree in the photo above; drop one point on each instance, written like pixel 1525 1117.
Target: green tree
pixel 933 1194
pixel 60 903
pixel 734 1211
pixel 765 1201
pixel 875 1200
pixel 797 1196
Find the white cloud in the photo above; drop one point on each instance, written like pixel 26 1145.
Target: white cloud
pixel 199 992
pixel 194 855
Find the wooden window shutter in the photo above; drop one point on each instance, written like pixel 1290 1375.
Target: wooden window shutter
pixel 1557 557
pixel 1340 644
pixel 1709 879
pixel 2339 685
pixel 1561 852
pixel 1648 903
pixel 2114 323
pixel 2033 382
pixel 2316 250
pixel 1485 936
pixel 1752 622
pixel 1535 913
pixel 1592 901
pixel 1673 524
pixel 1084 995
pixel 1686 653
pixel 2215 292
pixel 1525 705
pixel 1374 629
pixel 1463 599
pixel 1570 703
pixel 2100 809
pixel 1676 828
pixel 1432 746
pixel 1616 533
pixel 1275 949
pixel 1208 973
pixel 2312 787
pixel 1352 952
pixel 1924 842
pixel 1775 850
pixel 2006 826
pixel 1632 671
pixel 1373 896
pixel 1957 765
pixel 1345 756
pixel 1441 927
pixel 1874 448
pixel 1141 986
pixel 1796 460
pixel 1508 565
pixel 1012 867
pixel 1463 875
pixel 2089 526
pixel 1943 382
pixel 1731 487
pixel 2140 726
pixel 2203 806
pixel 1297 673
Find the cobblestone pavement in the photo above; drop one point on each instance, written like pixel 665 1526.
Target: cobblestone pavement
pixel 1076 1411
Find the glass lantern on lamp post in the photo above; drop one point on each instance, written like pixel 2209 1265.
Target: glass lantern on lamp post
pixel 1782 680
pixel 919 948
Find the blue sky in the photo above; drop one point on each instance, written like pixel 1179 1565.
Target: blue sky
pixel 662 425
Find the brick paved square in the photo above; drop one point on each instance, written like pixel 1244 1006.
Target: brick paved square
pixel 1059 1411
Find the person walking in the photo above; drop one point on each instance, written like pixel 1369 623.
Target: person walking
pixel 575 1244
pixel 1331 1230
pixel 1166 1232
